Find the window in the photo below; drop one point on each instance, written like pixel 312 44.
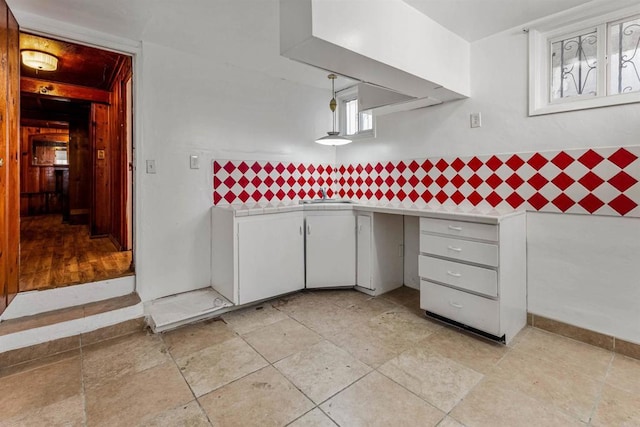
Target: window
pixel 591 64
pixel 354 123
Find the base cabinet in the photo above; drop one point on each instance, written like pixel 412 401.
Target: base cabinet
pixel 257 257
pixel 330 243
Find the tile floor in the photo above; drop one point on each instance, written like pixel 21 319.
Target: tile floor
pixel 324 359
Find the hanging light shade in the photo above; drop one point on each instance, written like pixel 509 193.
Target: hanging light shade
pixel 39 60
pixel 333 137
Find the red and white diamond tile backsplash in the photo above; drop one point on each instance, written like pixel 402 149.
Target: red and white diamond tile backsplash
pixel 601 181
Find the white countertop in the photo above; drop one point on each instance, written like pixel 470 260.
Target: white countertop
pixel 469 213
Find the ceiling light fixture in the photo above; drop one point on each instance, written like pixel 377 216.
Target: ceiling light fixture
pixel 333 137
pixel 39 60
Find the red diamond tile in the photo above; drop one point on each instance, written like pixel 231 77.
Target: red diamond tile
pixel 427 181
pixel 457 197
pixel 562 160
pixel 217 198
pixel 538 201
pixel 389 195
pixel 537 181
pixel 591 203
pixel 230 197
pixel 457 164
pixel 401 166
pixel 301 168
pixel 256 181
pixel 216 167
pixel 442 165
pixel 494 199
pixel 590 159
pixel 591 181
pixel 243 181
pixel 475 181
pixel 515 200
pixel 280 168
pixel 441 181
pixel 291 181
pixel 291 194
pixel 414 166
pixel 494 163
pixel 350 169
pixel 514 181
pixel 426 196
pixel 368 168
pixel 563 202
pixel 622 158
pixel 229 167
pixel 368 181
pixel 368 194
pixel 622 181
pixel 329 182
pixel 442 196
pixel 243 167
pixel 379 168
pixel 457 181
pixel 537 161
pixel 256 195
pixel 216 182
pixel 330 193
pixel 320 169
pixel 494 181
pixel 342 193
pixel 255 167
pixel 311 181
pixel 401 180
pixel 269 195
pixel 359 181
pixel 268 167
pixel 389 167
pixel 280 181
pixel 389 181
pixel 268 181
pixel 622 204
pixel 379 194
pixel 229 182
pixel 311 169
pixel 321 181
pixel 342 170
pixel 426 165
pixel 413 180
pixel 350 181
pixel 244 196
pixel 350 193
pixel 291 168
pixel 379 181
pixel 280 195
pixel 401 195
pixel 302 193
pixel 474 198
pixel 475 164
pixel 330 169
pixel 359 168
pixel 413 196
pixel 514 162
pixel 563 181
pixel 359 193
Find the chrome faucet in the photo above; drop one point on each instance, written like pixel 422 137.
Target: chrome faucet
pixel 323 192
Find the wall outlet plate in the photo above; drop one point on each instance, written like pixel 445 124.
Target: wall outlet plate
pixel 476 120
pixel 194 162
pixel 151 166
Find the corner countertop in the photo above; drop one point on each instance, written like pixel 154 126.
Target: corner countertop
pixel 462 213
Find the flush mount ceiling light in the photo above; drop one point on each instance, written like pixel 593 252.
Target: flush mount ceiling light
pixel 333 137
pixel 39 60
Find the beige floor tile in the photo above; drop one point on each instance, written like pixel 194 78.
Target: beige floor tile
pixel 494 403
pixel 475 352
pixel 191 338
pixel 26 354
pixel 133 398
pixel 251 318
pixel 327 319
pixel 403 295
pixel 617 408
pixel 264 397
pixel 405 325
pixel 625 374
pixel 40 388
pixel 219 364
pixel 315 418
pixel 549 381
pixel 342 297
pixel 188 415
pixel 377 401
pixel 38 363
pixel 322 370
pixel 589 360
pixel 67 412
pixel 368 345
pixel 281 339
pixel 367 309
pixel 113 359
pixel 440 381
pixel 450 422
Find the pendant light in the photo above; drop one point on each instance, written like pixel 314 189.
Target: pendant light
pixel 333 137
pixel 39 60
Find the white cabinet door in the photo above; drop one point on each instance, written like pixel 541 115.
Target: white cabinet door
pixel 270 256
pixel 331 250
pixel 363 273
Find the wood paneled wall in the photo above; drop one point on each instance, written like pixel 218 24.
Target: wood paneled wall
pixel 80 174
pixel 101 154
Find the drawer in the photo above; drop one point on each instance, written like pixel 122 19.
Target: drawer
pixel 472 310
pixel 476 279
pixel 458 249
pixel 469 230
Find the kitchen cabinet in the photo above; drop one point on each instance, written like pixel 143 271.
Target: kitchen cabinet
pixel 257 257
pixel 474 274
pixel 380 252
pixel 330 244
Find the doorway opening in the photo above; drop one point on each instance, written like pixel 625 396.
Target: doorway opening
pixel 76 173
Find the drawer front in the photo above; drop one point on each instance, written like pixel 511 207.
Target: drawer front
pixel 470 230
pixel 457 249
pixel 476 279
pixel 472 310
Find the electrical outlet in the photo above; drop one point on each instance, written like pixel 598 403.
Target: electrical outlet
pixel 476 120
pixel 194 162
pixel 151 166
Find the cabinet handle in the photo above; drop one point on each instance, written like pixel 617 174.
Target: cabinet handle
pixel 451 227
pixel 301 230
pixel 452 274
pixel 308 229
pixel 453 248
pixel 456 305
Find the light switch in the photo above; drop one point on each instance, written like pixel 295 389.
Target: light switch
pixel 100 154
pixel 476 120
pixel 194 162
pixel 151 166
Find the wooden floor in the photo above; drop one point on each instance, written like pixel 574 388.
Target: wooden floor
pixel 53 254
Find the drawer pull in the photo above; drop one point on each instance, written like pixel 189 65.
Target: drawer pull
pixel 454 304
pixel 454 228
pixel 452 274
pixel 453 248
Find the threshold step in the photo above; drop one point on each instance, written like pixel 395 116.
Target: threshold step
pixel 180 309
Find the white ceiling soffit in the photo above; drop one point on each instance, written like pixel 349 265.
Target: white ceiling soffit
pixel 476 19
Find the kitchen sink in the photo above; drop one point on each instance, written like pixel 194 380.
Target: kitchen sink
pixel 314 201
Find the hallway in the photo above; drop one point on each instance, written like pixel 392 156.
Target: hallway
pixel 53 254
